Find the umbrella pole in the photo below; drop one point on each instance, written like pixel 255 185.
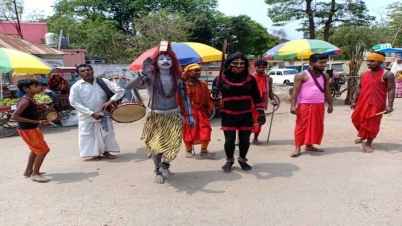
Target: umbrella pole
pixel 1 86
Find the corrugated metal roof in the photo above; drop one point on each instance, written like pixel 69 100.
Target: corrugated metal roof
pixel 10 42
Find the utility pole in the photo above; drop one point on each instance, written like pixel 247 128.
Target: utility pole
pixel 18 27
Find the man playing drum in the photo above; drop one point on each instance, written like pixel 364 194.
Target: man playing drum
pixel 163 129
pixel 96 134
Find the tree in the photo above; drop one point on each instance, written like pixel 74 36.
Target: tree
pixel 394 19
pixel 316 14
pixel 348 37
pixel 161 25
pixel 11 11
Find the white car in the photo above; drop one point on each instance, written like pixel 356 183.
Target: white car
pixel 282 76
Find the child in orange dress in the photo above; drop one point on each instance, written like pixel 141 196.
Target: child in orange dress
pixel 201 106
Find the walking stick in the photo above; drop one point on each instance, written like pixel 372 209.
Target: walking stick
pixel 270 125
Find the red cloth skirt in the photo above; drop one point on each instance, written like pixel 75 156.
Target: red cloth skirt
pixel 199 132
pixel 309 124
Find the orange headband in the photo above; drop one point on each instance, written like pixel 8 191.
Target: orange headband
pixel 376 57
pixel 189 68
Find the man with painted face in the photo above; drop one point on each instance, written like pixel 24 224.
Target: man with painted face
pixel 163 129
pixel 310 90
pixel 240 94
pixel 376 84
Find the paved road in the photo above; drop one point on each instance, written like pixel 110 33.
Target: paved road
pixel 341 186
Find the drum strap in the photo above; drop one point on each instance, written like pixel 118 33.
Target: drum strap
pixel 106 89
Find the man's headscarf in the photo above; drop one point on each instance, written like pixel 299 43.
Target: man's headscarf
pixel 189 68
pixel 376 57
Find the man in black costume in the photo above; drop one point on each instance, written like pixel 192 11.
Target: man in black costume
pixel 240 95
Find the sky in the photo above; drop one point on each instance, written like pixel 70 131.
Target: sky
pixel 255 9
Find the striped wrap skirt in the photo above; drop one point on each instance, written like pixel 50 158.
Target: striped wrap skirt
pixel 162 133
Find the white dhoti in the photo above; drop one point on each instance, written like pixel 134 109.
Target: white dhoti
pixel 94 141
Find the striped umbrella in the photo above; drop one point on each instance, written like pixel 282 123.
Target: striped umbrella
pixel 186 52
pixel 300 49
pixel 22 63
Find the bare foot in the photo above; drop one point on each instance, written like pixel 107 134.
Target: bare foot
pixel 359 140
pixel 206 154
pixel 367 149
pixel 256 142
pixel 39 178
pixel 312 148
pixel 29 173
pixel 189 154
pixel 296 153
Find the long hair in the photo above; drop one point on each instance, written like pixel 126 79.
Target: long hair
pixel 175 70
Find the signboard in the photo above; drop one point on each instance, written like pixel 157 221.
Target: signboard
pixel 55 62
pixel 382 46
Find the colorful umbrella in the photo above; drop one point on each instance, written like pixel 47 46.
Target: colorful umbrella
pixel 22 63
pixel 300 49
pixel 186 52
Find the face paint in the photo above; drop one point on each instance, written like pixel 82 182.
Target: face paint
pixel 164 61
pixel 237 66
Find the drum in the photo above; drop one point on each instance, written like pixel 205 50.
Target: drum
pixel 50 114
pixel 131 107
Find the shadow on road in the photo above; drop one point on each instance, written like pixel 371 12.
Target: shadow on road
pixel 196 181
pixel 193 182
pixel 388 147
pixel 333 150
pixel 63 178
pixel 138 156
pixel 265 171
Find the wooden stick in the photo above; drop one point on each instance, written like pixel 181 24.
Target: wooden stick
pixel 380 113
pixel 270 124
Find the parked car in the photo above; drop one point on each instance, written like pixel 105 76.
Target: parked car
pixel 283 76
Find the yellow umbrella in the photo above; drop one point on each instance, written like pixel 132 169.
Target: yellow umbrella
pixel 22 63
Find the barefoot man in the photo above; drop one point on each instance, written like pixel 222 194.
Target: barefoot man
pixel 310 90
pixel 371 100
pixel 264 83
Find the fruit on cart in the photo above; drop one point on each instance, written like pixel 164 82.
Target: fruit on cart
pixel 7 102
pixel 42 98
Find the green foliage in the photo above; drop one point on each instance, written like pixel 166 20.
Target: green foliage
pixel 122 29
pixel 318 14
pixel 395 23
pixel 348 37
pixel 161 25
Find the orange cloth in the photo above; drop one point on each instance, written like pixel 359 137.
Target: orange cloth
pixel 376 57
pixel 35 141
pixel 264 93
pixel 201 105
pixel 309 124
pixel 372 100
pixel 204 145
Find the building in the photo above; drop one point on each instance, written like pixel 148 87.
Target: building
pixel 33 32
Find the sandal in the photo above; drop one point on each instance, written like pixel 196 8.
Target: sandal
pixel 108 155
pixel 189 154
pixel 206 154
pixel 97 158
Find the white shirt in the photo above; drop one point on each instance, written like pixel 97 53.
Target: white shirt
pixel 88 98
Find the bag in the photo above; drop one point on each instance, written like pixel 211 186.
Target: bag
pixel 106 89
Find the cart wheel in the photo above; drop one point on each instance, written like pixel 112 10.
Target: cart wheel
pixel 8 128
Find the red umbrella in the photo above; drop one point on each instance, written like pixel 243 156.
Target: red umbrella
pixel 137 64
